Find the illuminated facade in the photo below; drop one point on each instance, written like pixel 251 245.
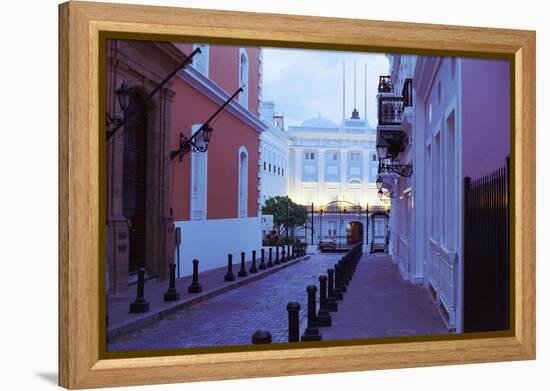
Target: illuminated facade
pixel 329 162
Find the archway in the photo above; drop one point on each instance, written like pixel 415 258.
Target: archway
pixel 380 232
pixel 355 233
pixel 340 224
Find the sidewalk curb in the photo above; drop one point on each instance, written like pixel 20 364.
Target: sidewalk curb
pixel 152 317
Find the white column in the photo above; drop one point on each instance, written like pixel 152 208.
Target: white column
pixel 321 176
pixel 297 171
pixel 394 222
pixel 286 165
pixel 343 171
pixel 367 161
pixel 418 234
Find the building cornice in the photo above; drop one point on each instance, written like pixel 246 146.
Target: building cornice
pixel 332 136
pixel 211 90
pixel 395 64
pixel 277 134
pixel 215 93
pixel 424 74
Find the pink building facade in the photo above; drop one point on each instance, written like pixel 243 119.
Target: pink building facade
pixel 209 196
pixel 216 194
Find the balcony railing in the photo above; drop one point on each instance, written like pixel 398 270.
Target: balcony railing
pixel 390 110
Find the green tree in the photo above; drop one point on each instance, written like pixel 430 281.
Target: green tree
pixel 277 206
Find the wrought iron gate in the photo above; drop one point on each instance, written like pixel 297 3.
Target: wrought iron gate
pixel 486 252
pixel 340 225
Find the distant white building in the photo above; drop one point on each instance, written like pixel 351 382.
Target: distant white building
pixel 274 150
pixel 331 162
pixel 332 166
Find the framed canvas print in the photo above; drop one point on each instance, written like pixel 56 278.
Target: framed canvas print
pixel 247 195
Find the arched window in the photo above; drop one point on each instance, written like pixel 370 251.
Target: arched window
pixel 243 77
pixel 243 183
pixel 200 61
pixel 198 181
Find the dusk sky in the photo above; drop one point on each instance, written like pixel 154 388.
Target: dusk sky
pixel 305 83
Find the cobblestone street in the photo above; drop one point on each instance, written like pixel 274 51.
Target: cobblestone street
pixel 232 318
pixel 378 304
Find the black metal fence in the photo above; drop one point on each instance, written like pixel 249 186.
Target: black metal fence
pixel 486 251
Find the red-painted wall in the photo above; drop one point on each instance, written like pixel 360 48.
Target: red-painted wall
pixel 224 69
pixel 190 107
pixel 254 77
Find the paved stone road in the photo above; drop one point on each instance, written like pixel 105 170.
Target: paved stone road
pixel 232 318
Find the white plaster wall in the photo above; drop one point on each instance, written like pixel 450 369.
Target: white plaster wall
pixel 210 241
pixel 274 147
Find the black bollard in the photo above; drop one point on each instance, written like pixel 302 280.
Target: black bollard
pixel 293 309
pixel 337 292
pixel 172 294
pixel 242 272
pixel 277 262
pixel 253 268
pixel 293 252
pixel 283 258
pixel 140 304
pixel 332 305
pixel 312 332
pixel 261 337
pixel 195 287
pixel 229 276
pixel 270 261
pixel 340 279
pixel 262 262
pixel 323 317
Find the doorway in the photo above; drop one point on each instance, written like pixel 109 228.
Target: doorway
pixel 134 180
pixel 355 233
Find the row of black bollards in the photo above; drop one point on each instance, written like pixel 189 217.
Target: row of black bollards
pixel 331 290
pixel 283 254
pixel 140 304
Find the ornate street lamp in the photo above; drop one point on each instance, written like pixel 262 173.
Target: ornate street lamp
pixel 198 142
pixel 379 182
pixel 385 193
pixel 388 166
pixel 382 151
pixel 123 94
pixel 391 144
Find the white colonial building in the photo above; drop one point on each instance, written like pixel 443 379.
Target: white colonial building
pixel 332 167
pixel 331 162
pixel 274 150
pixel 453 114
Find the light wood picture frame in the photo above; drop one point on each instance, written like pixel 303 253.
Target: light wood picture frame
pixel 81 243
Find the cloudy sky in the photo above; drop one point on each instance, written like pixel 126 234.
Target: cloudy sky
pixel 305 83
